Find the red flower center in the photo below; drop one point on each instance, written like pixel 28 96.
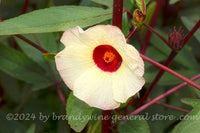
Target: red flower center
pixel 107 58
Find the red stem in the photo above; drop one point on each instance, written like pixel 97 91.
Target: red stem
pixel 32 44
pixel 60 94
pixel 157 78
pixel 170 58
pixel 106 121
pixel 172 107
pixel 170 71
pixel 117 13
pixel 144 7
pixel 152 24
pixel 128 13
pixel 191 32
pixel 25 6
pixel 116 21
pixel 57 83
pixel 155 32
pixel 131 34
pixel 161 96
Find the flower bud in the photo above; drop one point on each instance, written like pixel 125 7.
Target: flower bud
pixel 176 39
pixel 138 17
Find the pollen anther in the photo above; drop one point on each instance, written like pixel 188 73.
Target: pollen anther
pixel 109 57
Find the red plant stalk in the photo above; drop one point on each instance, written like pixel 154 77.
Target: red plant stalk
pixel 189 35
pixel 171 71
pixel 59 92
pixel 152 30
pixel 168 61
pixel 117 13
pixel 152 24
pixel 157 78
pixel 161 97
pixel 131 34
pixel 32 44
pixel 106 121
pixel 116 21
pixel 25 6
pixel 144 7
pixel 172 107
pixel 57 83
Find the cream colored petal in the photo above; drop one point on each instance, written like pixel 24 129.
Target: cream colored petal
pixel 72 62
pixel 71 36
pixel 95 88
pixel 126 84
pixel 103 34
pixel 133 57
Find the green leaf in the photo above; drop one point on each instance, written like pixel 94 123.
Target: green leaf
pixel 78 113
pixel 42 85
pixel 48 42
pixel 197 91
pixel 134 124
pixel 10 86
pixel 54 19
pixel 123 105
pixel 108 3
pixel 150 10
pixel 20 66
pixel 9 126
pixel 191 12
pixel 32 52
pixel 49 56
pixel 96 128
pixel 191 122
pixel 140 5
pixel 125 25
pixel 31 129
pixel 173 1
pixel 189 25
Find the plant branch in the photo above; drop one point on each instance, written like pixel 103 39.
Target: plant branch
pixel 57 83
pixel 59 92
pixel 161 97
pixel 116 21
pixel 106 121
pixel 170 71
pixel 191 32
pixel 117 13
pixel 128 13
pixel 172 107
pixel 25 6
pixel 144 7
pixel 157 78
pixel 155 32
pixel 131 34
pixel 152 24
pixel 32 44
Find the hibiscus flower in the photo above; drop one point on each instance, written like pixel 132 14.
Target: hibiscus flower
pixel 99 67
